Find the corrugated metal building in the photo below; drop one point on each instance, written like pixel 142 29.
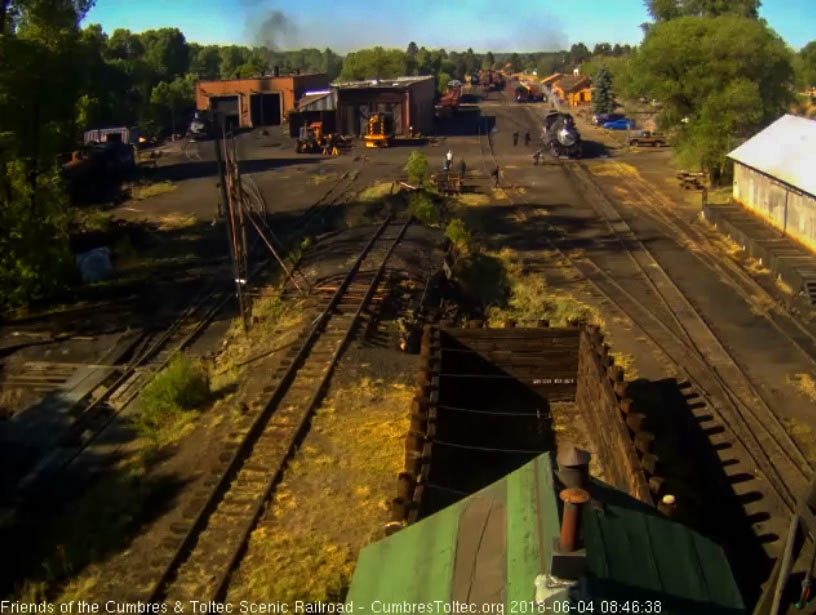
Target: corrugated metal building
pixel 120 134
pixel 410 100
pixel 260 101
pixel 493 548
pixel 314 106
pixel 775 176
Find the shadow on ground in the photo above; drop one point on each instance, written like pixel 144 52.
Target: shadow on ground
pixel 696 475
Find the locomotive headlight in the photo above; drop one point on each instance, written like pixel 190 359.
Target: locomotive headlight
pixel 566 137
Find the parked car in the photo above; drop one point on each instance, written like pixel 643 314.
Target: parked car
pixel 622 124
pixel 646 137
pixel 600 118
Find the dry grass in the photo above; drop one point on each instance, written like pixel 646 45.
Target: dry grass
pixel 146 191
pixel 275 324
pixel 499 194
pixel 805 384
pixel 530 298
pixel 627 362
pixel 610 168
pixel 755 266
pixel 731 247
pixel 783 286
pixel 473 199
pixel 333 499
pixel 322 177
pixel 802 434
pixel 173 222
pixel 375 192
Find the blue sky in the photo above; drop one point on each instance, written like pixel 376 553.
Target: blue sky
pixel 343 25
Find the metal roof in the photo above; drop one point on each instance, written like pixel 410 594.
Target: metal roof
pixel 568 83
pixel 785 150
pixel 396 82
pixel 490 547
pixel 316 101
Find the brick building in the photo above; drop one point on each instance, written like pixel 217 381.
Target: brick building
pixel 410 101
pixel 259 101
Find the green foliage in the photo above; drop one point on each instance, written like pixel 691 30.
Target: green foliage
pixel 417 168
pixel 665 10
pixel 422 207
pixel 729 75
pixel 806 66
pixel 489 60
pixel 171 399
pixel 602 99
pixel 166 53
pixel 459 235
pixel 35 259
pixel 484 279
pixel 174 97
pixel 374 63
pixel 442 82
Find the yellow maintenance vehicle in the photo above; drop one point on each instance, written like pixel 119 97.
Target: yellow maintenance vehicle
pixel 380 130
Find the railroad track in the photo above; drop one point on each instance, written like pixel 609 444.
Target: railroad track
pixel 672 323
pixel 150 352
pixel 208 546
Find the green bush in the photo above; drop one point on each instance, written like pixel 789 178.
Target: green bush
pixel 35 258
pixel 422 208
pixel 417 169
pixel 459 235
pixel 484 279
pixel 171 399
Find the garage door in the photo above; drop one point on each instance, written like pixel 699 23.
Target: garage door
pixel 265 109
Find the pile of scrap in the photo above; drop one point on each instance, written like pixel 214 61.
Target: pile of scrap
pixel 448 183
pixel 691 181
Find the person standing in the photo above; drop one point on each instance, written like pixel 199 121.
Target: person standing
pixel 515 138
pixel 495 175
pixel 536 157
pixel 449 158
pixel 462 169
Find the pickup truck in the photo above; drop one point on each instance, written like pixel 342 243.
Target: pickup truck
pixel 644 137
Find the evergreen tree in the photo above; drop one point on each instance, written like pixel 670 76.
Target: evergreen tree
pixel 602 98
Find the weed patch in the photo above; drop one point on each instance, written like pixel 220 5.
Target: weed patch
pixel 375 192
pixel 145 191
pixel 473 199
pixel 333 499
pixel 423 208
pixel 172 399
pixel 459 235
pixel 172 222
pixel 805 384
pixel 89 220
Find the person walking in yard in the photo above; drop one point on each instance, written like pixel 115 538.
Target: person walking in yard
pixel 527 138
pixel 462 169
pixel 449 157
pixel 495 175
pixel 536 157
pixel 515 138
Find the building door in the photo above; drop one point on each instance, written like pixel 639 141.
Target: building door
pixel 226 107
pixel 364 113
pixel 264 109
pixel 348 120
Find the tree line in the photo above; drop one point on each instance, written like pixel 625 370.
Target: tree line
pixel 719 71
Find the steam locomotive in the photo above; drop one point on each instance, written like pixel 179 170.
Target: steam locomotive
pixel 560 135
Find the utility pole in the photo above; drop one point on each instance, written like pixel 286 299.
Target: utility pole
pixel 236 236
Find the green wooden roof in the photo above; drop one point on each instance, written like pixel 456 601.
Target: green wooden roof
pixel 490 547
